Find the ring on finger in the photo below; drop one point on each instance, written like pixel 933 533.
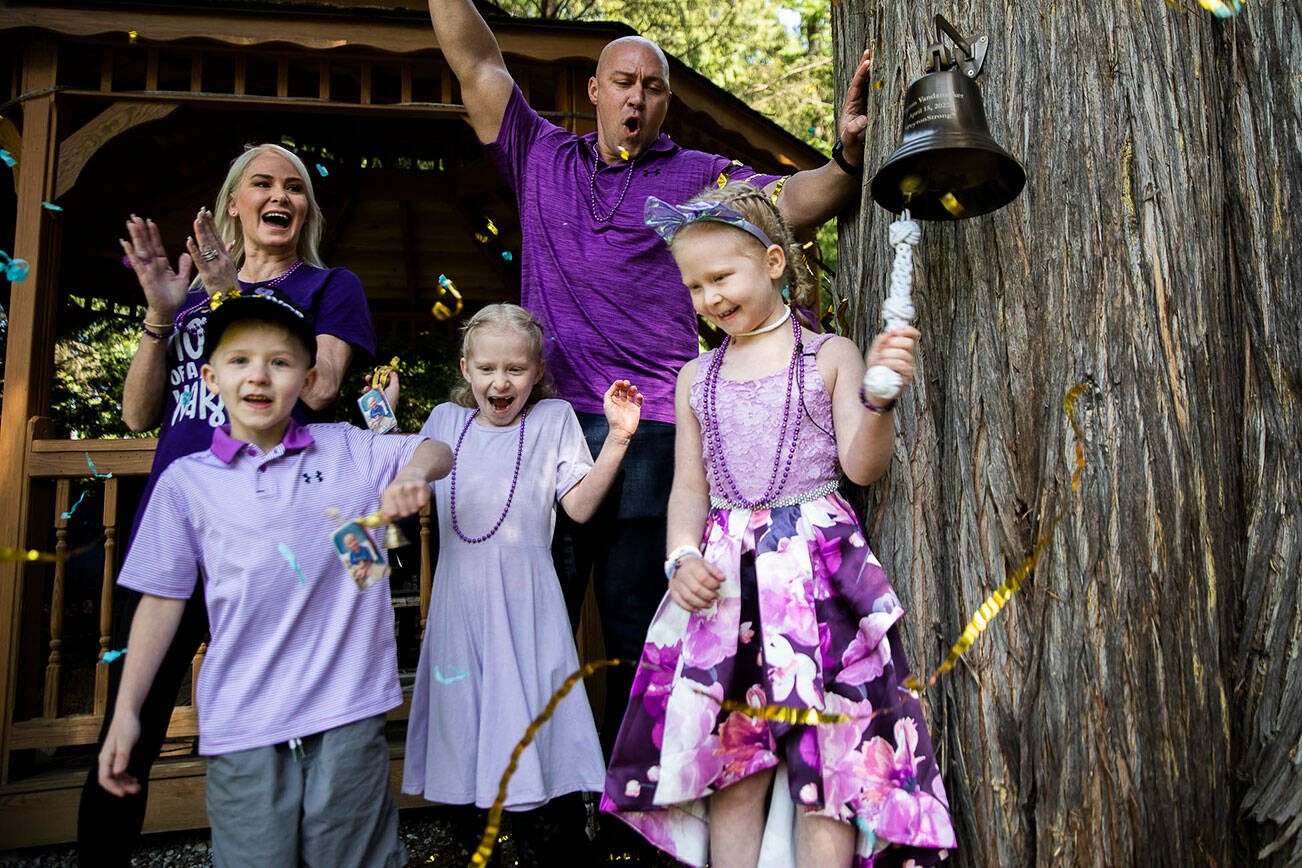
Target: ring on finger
pixel 208 255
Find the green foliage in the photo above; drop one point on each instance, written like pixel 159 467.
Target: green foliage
pixel 90 366
pixel 745 47
pixel 775 57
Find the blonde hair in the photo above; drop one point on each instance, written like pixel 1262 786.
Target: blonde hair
pixel 503 316
pixel 759 208
pixel 309 239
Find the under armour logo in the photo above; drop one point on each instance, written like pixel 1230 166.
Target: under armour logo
pixel 307 477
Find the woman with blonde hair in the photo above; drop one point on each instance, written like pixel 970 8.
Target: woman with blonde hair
pixel 263 232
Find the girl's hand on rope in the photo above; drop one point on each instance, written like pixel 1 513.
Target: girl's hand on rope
pixel 893 349
pixel 695 583
pixel 164 287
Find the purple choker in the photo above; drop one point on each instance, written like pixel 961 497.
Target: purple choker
pixel 275 281
pixel 515 478
pixel 710 424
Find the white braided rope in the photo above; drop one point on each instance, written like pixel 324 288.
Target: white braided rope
pixel 880 383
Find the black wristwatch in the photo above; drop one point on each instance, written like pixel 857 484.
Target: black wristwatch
pixel 838 154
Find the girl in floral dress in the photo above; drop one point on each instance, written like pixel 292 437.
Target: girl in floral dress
pixel 774 597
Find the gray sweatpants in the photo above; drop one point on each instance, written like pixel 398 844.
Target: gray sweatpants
pixel 327 804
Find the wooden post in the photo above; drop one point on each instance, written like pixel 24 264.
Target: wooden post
pixel 62 498
pixel 29 357
pixel 426 565
pixel 109 520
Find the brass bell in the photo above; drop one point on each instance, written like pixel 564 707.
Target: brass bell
pixel 394 538
pixel 947 166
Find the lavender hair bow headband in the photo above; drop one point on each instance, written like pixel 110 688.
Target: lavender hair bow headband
pixel 667 219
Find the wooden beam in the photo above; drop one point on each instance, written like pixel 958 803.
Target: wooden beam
pixel 77 149
pixel 29 356
pixel 12 141
pixel 71 459
pixel 43 732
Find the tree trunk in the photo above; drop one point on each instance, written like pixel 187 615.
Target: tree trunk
pixel 1140 700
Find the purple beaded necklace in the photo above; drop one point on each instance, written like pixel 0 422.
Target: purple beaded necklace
pixel 796 377
pixel 275 281
pixel 515 478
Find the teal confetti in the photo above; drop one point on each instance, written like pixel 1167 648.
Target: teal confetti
pixel 110 656
pixel 67 515
pixel 443 679
pixel 15 270
pixel 8 158
pixel 50 206
pixel 95 472
pixel 322 170
pixel 506 254
pixel 288 554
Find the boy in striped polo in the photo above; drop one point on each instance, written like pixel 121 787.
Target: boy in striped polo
pixel 301 666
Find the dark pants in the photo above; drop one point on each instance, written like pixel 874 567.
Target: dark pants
pixel 108 826
pixel 624 548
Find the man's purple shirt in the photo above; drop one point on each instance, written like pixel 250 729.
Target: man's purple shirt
pixel 608 294
pixel 296 649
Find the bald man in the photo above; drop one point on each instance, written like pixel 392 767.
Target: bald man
pixel 605 288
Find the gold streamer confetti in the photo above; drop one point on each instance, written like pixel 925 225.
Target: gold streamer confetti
pixel 449 300
pixel 495 812
pixel 995 602
pixel 33 556
pixel 380 376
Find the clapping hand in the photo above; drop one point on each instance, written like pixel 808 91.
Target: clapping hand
pixel 165 288
pixel 623 405
pixel 211 255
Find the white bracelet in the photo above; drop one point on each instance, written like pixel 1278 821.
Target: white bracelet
pixel 671 563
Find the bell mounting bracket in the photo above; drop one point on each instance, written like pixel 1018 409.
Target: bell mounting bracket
pixel 973 52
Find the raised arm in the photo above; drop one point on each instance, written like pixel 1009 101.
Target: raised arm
pixel 472 51
pixel 623 407
pixel 864 438
pixel 812 197
pixel 145 388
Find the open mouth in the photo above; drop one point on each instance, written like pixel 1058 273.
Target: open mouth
pixel 631 125
pixel 260 402
pixel 499 403
pixel 279 219
pixel 727 313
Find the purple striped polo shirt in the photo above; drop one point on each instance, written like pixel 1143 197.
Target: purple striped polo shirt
pixel 294 650
pixel 607 292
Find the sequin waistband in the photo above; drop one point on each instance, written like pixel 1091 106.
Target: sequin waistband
pixel 790 500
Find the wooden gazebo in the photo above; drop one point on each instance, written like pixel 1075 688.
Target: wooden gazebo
pixel 112 108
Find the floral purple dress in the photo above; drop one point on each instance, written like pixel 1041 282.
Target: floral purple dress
pixel 804 619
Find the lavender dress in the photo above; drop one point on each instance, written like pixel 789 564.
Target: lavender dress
pixel 498 641
pixel 805 619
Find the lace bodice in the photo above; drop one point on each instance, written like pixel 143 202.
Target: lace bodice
pixel 750 423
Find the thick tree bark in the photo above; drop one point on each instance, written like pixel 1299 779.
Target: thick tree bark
pixel 1140 701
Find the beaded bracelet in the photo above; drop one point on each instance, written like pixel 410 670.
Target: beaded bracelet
pixel 153 334
pixel 671 563
pixel 873 408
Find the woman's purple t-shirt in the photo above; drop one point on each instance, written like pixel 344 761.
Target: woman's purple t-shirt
pixel 608 294
pixel 335 298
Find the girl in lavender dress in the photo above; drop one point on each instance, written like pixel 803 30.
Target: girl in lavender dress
pixel 774 597
pixel 498 640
